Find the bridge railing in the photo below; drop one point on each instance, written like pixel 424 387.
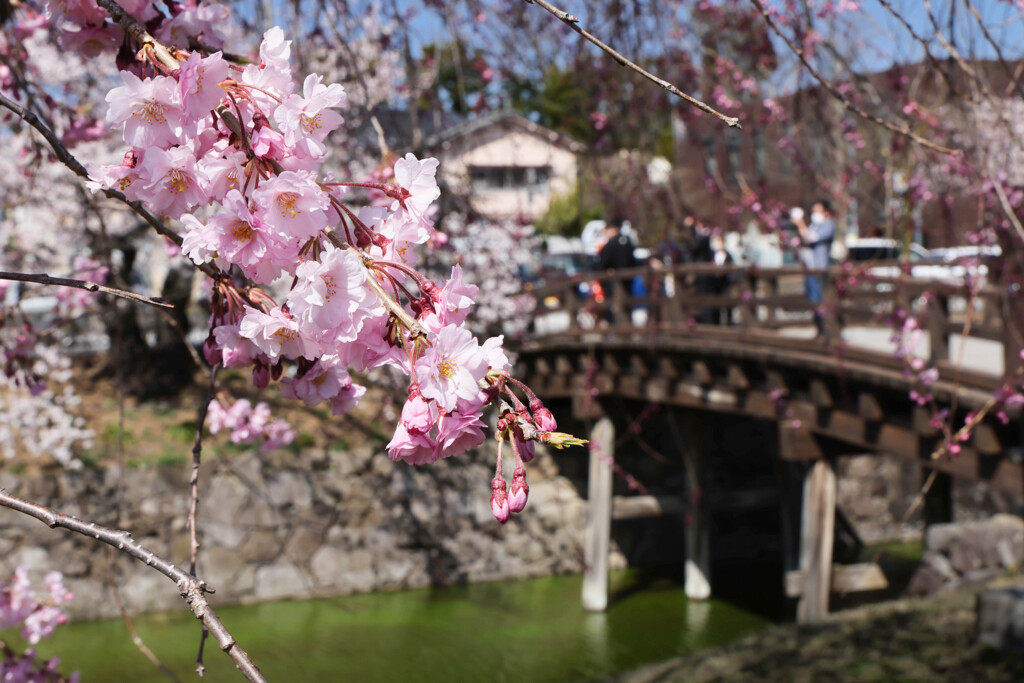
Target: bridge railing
pixel 769 306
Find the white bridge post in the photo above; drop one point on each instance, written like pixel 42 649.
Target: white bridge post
pixel 597 543
pixel 697 569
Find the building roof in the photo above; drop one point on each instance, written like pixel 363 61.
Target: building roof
pixel 472 126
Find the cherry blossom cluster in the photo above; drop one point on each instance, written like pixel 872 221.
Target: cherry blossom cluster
pixel 235 154
pixel 249 424
pixel 37 615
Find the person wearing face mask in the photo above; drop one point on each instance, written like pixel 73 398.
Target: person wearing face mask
pixel 817 240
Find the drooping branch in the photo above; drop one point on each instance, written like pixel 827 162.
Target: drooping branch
pixel 835 92
pixel 192 590
pixel 573 23
pixel 43 279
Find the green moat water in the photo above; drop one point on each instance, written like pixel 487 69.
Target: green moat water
pixel 519 631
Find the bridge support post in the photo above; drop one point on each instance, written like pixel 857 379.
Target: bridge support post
pixel 698 557
pixel 817 534
pixel 597 543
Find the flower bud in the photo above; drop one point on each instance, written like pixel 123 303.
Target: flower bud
pixel 260 375
pixel 544 420
pixel 211 351
pixel 519 491
pixel 499 500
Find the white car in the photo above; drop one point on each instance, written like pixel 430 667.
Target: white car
pixel 886 254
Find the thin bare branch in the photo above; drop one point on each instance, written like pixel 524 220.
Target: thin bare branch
pixel 1004 202
pixel 834 91
pixel 573 23
pixel 129 625
pixel 192 590
pixel 43 279
pixel 197 452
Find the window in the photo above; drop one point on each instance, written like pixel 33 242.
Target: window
pixel 490 178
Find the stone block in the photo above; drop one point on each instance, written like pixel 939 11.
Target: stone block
pixel 279 581
pixel 226 500
pixel 261 546
pixel 289 488
pixel 301 544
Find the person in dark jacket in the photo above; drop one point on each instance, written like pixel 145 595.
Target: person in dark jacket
pixel 616 254
pixel 711 249
pixel 617 251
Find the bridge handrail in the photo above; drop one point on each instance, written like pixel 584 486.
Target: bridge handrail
pixel 742 302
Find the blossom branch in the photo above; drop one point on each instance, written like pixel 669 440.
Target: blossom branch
pixel 573 23
pixel 193 591
pixel 139 33
pixel 834 91
pixel 86 285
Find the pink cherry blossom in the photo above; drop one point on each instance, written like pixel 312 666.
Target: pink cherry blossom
pixel 307 119
pixel 150 110
pixel 276 334
pixel 169 183
pixel 417 177
pixel 293 204
pixel 331 294
pixel 452 368
pixel 457 433
pixel 199 81
pixel 325 380
pixel 414 449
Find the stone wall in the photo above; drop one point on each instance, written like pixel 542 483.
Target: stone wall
pixel 876 492
pixel 292 526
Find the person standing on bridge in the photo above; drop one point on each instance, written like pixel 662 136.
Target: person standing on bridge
pixel 616 254
pixel 817 245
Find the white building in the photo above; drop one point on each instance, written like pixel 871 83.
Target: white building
pixel 507 165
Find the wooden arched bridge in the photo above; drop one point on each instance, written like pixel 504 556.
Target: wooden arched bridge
pixel 742 341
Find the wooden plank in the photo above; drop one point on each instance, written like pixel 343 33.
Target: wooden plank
pixel 985 440
pixel 869 408
pixel 639 507
pixel 817 533
pixel 597 542
pixel 846 578
pixel 702 373
pixel 797 444
pixel 736 378
pixel 820 395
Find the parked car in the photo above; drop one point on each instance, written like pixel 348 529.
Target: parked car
pixel 885 256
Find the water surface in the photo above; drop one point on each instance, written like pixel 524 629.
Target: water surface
pixel 518 631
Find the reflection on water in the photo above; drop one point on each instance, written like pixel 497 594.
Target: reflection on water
pixel 517 631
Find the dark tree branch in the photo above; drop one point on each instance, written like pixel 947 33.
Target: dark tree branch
pixel 86 285
pixel 573 23
pixel 192 590
pixel 834 91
